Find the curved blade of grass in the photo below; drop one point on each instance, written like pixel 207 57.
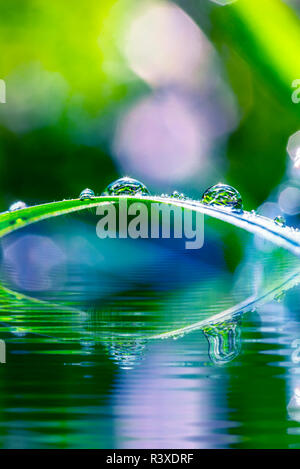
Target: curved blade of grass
pixel 285 237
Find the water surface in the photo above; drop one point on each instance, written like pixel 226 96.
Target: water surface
pixel 84 371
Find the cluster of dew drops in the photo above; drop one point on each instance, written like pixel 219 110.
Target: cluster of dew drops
pixel 220 195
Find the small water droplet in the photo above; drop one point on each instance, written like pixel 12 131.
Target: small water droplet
pixel 223 195
pixel 224 341
pixel 126 186
pixel 17 206
pixel 87 194
pixel 177 195
pixel 178 336
pixel 279 220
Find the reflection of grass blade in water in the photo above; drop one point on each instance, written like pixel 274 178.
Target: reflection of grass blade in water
pixel 125 342
pixel 21 314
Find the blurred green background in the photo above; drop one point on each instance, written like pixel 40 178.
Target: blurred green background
pixel 177 94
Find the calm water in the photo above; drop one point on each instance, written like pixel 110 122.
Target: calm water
pixel 85 366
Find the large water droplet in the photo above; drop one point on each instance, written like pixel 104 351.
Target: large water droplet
pixel 279 220
pixel 126 186
pixel 223 195
pixel 87 194
pixel 224 341
pixel 17 206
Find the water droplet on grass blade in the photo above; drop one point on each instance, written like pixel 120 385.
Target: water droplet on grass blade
pixel 87 194
pixel 126 186
pixel 279 220
pixel 17 206
pixel 224 196
pixel 177 195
